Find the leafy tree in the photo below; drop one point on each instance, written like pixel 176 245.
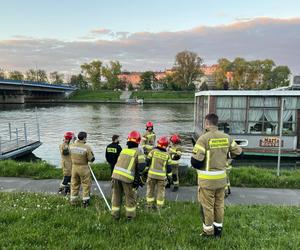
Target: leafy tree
pixel 2 75
pixel 187 68
pixel 41 75
pixel 79 81
pixel 169 82
pixel 111 72
pixel 56 78
pixel 224 65
pixel 31 75
pixel 147 78
pixel 130 87
pixel 93 72
pixel 16 75
pixel 280 77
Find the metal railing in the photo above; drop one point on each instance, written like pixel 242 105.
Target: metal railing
pixel 19 137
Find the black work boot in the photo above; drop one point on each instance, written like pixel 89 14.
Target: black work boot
pixel 67 190
pixel 86 203
pixel 61 190
pixel 175 189
pixel 218 232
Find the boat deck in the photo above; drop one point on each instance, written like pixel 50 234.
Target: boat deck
pixel 14 149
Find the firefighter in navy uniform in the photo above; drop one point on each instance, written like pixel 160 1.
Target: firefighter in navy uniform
pixel 210 158
pixel 175 152
pixel 148 139
pixel 126 177
pixel 112 152
pixel 66 163
pixel 159 163
pixel 81 155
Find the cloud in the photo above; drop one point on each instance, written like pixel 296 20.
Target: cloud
pixel 259 38
pixel 101 31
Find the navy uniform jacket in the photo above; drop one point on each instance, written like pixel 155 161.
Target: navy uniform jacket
pixel 112 153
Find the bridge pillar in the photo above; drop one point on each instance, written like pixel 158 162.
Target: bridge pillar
pixel 12 99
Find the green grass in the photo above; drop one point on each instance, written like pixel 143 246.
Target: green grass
pixel 239 177
pixel 44 170
pixel 96 95
pixel 253 177
pixel 164 95
pixel 36 221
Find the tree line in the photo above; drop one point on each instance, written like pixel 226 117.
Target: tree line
pixel 256 74
pixel 185 74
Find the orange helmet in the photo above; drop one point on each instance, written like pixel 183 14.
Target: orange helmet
pixel 134 136
pixel 149 124
pixel 163 142
pixel 69 135
pixel 175 139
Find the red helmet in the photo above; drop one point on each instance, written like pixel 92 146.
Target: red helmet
pixel 134 136
pixel 175 139
pixel 149 124
pixel 69 135
pixel 163 142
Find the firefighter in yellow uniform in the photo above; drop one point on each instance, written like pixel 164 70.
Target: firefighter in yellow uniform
pixel 81 155
pixel 126 177
pixel 209 158
pixel 175 152
pixel 159 162
pixel 148 139
pixel 66 163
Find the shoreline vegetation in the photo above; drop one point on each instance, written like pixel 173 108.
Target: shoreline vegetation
pixel 110 96
pixel 239 177
pixel 23 218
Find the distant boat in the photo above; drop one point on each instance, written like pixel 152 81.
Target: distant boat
pixel 135 101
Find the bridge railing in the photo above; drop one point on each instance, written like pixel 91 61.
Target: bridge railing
pixel 38 84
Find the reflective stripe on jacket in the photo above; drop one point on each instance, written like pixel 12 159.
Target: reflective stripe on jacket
pixel 159 162
pixel 213 148
pixel 127 163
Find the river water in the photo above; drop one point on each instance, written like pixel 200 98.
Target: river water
pixel 100 121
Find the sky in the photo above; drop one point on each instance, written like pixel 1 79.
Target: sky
pixel 145 35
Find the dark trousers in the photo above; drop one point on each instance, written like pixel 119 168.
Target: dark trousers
pixel 112 166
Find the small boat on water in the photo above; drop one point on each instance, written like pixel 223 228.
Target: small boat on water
pixel 135 101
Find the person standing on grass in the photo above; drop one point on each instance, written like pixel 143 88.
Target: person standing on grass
pixel 112 152
pixel 66 163
pixel 209 157
pixel 159 163
pixel 126 177
pixel 81 155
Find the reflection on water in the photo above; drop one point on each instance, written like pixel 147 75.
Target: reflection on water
pixel 100 121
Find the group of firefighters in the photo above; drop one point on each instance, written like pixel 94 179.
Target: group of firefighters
pixel 156 164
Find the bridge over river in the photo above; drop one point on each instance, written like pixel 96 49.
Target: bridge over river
pixel 12 91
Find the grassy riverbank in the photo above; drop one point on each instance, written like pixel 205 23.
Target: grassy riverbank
pixel 44 170
pixel 240 177
pixel 35 221
pixel 164 95
pixel 96 95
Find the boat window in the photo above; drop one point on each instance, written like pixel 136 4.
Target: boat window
pixel 271 102
pixel 290 102
pixel 239 102
pixel 224 102
pixel 223 114
pixel 289 122
pixel 238 127
pixel 224 127
pixel 256 101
